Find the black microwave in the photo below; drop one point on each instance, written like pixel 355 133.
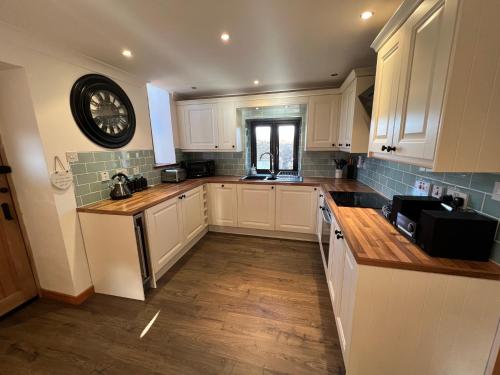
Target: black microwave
pixel 200 168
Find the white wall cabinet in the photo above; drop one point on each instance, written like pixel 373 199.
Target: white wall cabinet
pixel 322 122
pixel 171 225
pixel 256 206
pixel 296 208
pixel 354 128
pixel 223 204
pixel 435 86
pixel 208 127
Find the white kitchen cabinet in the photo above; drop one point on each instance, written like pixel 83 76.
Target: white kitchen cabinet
pixel 439 114
pixel 322 122
pixel 429 37
pixel 165 232
pixel 256 206
pixel 354 120
pixel 209 127
pixel 223 204
pixel 386 94
pixel 193 215
pixel 345 310
pixel 335 275
pixel 198 127
pixel 174 224
pixel 229 133
pixel 296 208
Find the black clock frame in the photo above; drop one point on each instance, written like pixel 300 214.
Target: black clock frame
pixel 81 93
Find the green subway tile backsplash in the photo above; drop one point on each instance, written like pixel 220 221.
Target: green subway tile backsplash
pixel 390 178
pixel 88 186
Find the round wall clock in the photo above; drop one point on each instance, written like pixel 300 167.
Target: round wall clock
pixel 102 111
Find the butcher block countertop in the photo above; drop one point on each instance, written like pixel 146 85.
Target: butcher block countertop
pixel 372 240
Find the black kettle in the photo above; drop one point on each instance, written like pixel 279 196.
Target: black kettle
pixel 120 188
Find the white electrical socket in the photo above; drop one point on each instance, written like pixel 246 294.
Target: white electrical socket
pixel 104 175
pixel 437 191
pixel 496 191
pixel 136 170
pixel 456 193
pixel 72 157
pixel 423 187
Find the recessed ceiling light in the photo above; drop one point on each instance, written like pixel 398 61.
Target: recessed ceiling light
pixel 256 82
pixel 366 15
pixel 194 87
pixel 127 53
pixel 334 75
pixel 224 37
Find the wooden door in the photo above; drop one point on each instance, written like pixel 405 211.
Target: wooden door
pixel 256 206
pixel 428 42
pixel 385 100
pixel 223 203
pixel 227 126
pixel 193 218
pixel 17 283
pixel 296 208
pixel 322 122
pixel 198 127
pixel 165 232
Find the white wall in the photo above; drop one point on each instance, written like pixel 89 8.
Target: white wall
pixel 48 75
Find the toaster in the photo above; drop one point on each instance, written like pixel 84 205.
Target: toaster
pixel 173 175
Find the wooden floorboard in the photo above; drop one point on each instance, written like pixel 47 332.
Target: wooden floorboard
pixel 232 305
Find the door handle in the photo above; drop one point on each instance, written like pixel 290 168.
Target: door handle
pixel 6 212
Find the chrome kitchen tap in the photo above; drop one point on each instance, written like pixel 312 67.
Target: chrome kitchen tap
pixel 271 156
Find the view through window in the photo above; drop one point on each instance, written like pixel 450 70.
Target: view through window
pixel 278 139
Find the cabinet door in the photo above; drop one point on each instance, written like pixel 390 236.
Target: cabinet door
pixel 193 218
pixel 428 36
pixel 322 122
pixel 256 206
pixel 386 94
pixel 165 232
pixel 198 126
pixel 344 318
pixel 296 208
pixel 227 126
pixel 336 267
pixel 223 204
pixel 347 116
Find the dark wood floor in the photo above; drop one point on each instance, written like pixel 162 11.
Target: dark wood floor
pixel 232 305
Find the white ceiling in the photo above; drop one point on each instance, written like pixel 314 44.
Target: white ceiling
pixel 285 44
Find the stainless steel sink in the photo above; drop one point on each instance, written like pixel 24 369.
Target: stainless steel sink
pixel 270 178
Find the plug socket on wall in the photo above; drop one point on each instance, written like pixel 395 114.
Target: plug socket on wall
pixel 456 193
pixel 423 187
pixel 437 191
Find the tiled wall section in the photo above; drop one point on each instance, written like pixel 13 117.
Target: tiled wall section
pixel 312 164
pixel 87 184
pixel 390 178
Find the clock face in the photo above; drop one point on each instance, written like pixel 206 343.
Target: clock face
pixel 102 111
pixel 109 114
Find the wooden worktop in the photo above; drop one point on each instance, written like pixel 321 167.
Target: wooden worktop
pixel 372 240
pixel 160 193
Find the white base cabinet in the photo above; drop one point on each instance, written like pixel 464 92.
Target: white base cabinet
pixel 172 224
pixel 296 208
pixel 223 204
pixel 393 321
pixel 256 206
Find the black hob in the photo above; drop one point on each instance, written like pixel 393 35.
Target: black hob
pixel 353 199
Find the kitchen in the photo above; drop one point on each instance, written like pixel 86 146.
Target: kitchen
pixel 334 214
